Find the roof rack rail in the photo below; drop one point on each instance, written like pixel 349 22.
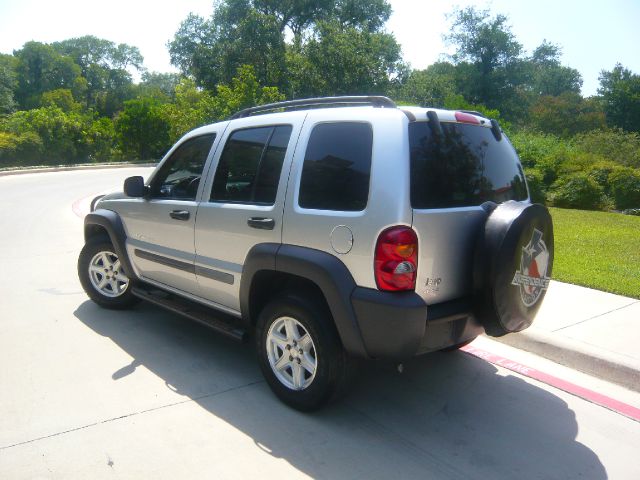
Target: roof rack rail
pixel 376 101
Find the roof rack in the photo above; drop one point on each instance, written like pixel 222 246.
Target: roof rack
pixel 304 103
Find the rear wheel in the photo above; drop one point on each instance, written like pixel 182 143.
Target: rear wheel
pixel 103 277
pixel 300 353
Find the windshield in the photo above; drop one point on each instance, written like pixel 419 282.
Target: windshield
pixel 465 166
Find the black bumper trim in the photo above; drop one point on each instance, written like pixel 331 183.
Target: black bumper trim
pixel 398 326
pixel 392 324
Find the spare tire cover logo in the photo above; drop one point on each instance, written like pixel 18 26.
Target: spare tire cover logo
pixel 532 276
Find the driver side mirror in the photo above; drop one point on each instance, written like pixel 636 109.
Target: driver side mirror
pixel 135 187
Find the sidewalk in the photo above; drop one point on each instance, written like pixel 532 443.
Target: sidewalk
pixel 592 331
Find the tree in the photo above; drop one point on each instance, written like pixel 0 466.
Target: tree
pixel 244 91
pixel 117 88
pixel 345 60
pixel 61 98
pixel 161 83
pixel 620 91
pixel 366 15
pixel 192 107
pixel 41 68
pixel 90 50
pixel 142 129
pixel 255 32
pixel 566 114
pixel 301 15
pixel 548 76
pixel 8 83
pixel 488 51
pixel 105 66
pixel 430 87
pixel 211 51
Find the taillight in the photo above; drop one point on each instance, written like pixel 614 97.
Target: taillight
pixel 396 259
pixel 464 117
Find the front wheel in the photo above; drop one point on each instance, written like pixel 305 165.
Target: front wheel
pixel 300 353
pixel 103 277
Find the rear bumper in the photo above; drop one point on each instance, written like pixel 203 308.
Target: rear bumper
pixel 400 325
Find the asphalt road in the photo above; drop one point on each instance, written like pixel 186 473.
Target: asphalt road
pixel 90 393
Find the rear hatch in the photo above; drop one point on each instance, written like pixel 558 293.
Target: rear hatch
pixel 455 168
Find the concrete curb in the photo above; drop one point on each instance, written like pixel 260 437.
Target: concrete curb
pixel 58 168
pixel 578 355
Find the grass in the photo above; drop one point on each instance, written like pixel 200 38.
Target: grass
pixel 597 250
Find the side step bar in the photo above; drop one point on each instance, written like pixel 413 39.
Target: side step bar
pixel 192 311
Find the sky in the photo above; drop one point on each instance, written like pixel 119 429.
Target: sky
pixel 594 34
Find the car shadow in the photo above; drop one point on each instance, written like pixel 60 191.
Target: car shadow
pixel 447 416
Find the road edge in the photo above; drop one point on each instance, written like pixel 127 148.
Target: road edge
pixel 58 168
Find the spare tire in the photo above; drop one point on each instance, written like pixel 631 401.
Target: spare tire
pixel 513 263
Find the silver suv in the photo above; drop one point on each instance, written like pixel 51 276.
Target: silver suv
pixel 329 229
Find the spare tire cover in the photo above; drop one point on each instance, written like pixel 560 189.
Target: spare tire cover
pixel 513 263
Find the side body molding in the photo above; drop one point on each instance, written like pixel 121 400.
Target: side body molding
pixel 111 222
pixel 325 270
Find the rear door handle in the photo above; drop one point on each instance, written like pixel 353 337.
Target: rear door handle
pixel 261 223
pixel 179 214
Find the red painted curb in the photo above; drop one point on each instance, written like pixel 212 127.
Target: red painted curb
pixel 584 393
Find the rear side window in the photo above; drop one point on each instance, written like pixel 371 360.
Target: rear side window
pixel 250 165
pixel 337 167
pixel 466 166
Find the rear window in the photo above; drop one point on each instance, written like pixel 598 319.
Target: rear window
pixel 466 166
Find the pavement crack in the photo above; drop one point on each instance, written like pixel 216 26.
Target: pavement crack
pixel 597 316
pixel 148 410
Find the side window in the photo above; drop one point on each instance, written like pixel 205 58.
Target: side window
pixel 337 167
pixel 250 166
pixel 180 175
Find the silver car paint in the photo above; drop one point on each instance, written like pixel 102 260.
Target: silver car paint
pixel 150 228
pixel 222 238
pixel 388 202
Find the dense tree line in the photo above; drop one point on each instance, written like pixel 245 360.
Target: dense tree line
pixel 76 101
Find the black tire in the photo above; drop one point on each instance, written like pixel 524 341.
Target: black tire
pixel 118 300
pixel 513 265
pixel 332 363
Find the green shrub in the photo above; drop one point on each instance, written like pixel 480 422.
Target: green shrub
pixel 537 188
pixel 624 184
pixel 577 191
pixel 142 129
pixel 20 149
pixel 577 161
pixel 101 140
pixel 615 145
pixel 599 171
pixel 62 133
pixel 532 147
